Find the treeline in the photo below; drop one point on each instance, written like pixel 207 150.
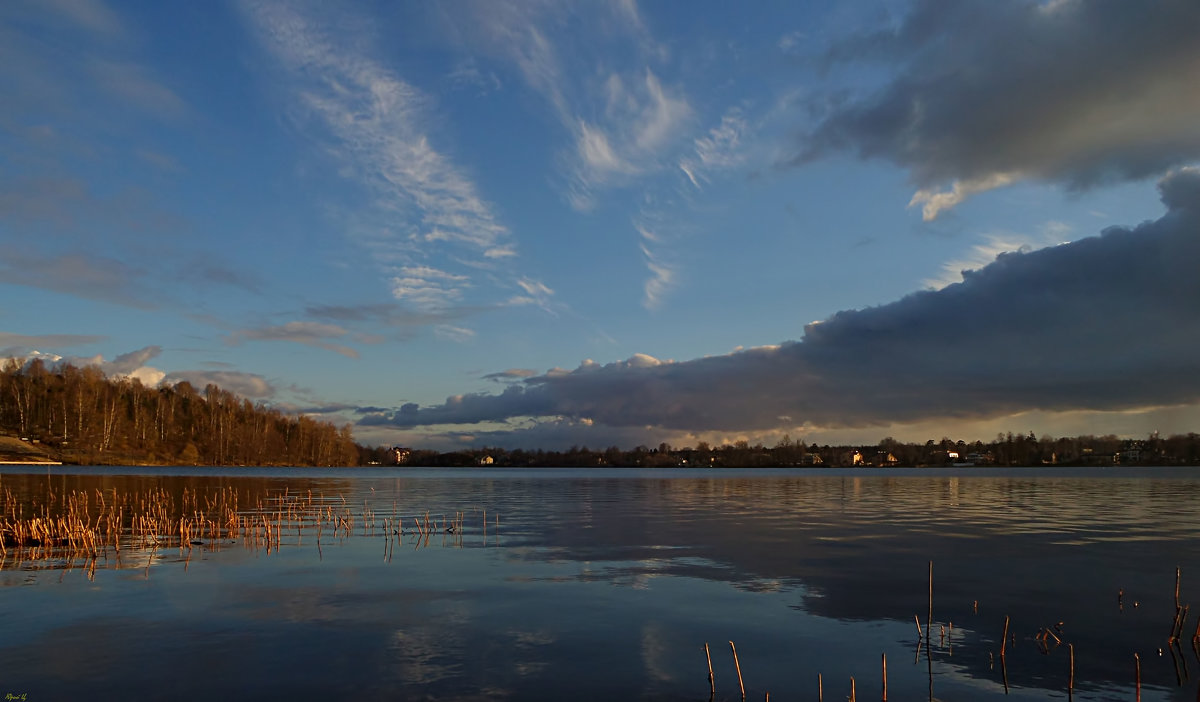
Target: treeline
pixel 1005 450
pixel 79 415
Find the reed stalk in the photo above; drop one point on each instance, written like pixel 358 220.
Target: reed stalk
pixel 884 697
pixel 1137 677
pixel 738 666
pixel 712 683
pixel 1071 678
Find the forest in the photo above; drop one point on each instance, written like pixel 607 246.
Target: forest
pixel 78 415
pixel 1005 450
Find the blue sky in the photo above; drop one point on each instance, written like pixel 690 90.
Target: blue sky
pixel 549 223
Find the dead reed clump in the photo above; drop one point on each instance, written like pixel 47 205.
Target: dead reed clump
pixel 83 528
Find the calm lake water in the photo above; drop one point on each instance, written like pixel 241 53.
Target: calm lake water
pixel 606 584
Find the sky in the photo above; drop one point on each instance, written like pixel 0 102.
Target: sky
pixel 547 224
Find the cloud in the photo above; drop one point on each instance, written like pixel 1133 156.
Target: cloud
pixel 993 245
pixel 662 277
pixel 308 333
pixel 987 93
pixel 133 84
pixel 23 344
pixel 89 277
pixel 428 288
pixel 126 365
pixel 449 332
pixel 641 119
pixel 510 375
pixel 250 385
pixel 91 15
pixel 559 433
pixel 129 362
pixel 374 123
pixel 535 293
pixel 621 122
pixel 387 314
pixel 719 149
pixel 1106 323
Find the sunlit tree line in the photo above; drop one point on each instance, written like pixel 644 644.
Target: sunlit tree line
pixel 85 417
pixel 1005 450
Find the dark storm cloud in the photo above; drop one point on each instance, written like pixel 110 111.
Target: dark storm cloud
pixel 1106 323
pixel 985 93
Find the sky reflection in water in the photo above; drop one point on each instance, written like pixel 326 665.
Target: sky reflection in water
pixel 606 585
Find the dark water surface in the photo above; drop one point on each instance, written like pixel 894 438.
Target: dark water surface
pixel 606 584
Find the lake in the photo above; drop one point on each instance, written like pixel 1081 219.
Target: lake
pixel 606 584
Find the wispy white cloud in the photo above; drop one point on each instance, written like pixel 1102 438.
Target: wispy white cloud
pixel 450 332
pixel 992 246
pixel 662 276
pixel 621 123
pixel 536 293
pixel 376 124
pixel 428 288
pixel 467 73
pixel 717 150
pixel 642 122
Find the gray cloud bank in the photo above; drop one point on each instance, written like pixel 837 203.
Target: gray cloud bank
pixel 985 93
pixel 1110 322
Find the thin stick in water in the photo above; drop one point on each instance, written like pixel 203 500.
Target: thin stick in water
pixel 1071 679
pixel 1004 639
pixel 1137 677
pixel 738 665
pixel 884 698
pixel 929 619
pixel 712 684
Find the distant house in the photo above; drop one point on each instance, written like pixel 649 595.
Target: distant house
pixel 486 461
pixel 400 455
pixel 812 459
pixel 1129 455
pixel 886 458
